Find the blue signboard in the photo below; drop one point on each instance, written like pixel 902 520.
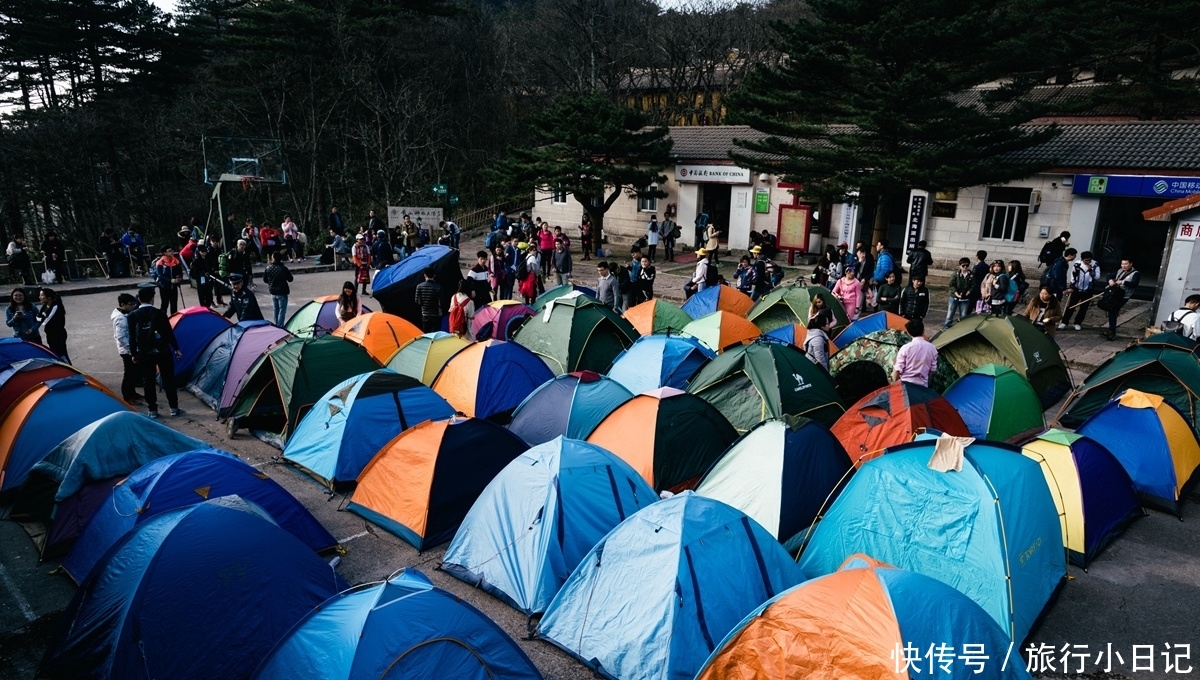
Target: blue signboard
pixel 1136 185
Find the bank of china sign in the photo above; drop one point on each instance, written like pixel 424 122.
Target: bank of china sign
pixel 727 174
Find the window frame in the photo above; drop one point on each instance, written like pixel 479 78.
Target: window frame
pixel 996 223
pixel 556 194
pixel 648 204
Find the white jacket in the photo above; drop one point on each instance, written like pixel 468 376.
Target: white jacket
pixel 120 331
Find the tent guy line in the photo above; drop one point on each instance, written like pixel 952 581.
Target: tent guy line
pixel 11 586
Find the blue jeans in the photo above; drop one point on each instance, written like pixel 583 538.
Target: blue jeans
pixel 963 307
pixel 279 305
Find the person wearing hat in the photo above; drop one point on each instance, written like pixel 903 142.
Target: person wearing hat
pixel 360 254
pixel 762 281
pixel 242 301
pixel 699 279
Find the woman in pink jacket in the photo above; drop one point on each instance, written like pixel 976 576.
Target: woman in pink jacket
pixel 848 289
pixel 546 246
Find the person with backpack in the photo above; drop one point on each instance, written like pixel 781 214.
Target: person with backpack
pixel 1081 286
pixel 652 237
pixel 277 277
pixel 526 272
pixel 126 303
pixel 763 279
pixel 1053 249
pixel 462 310
pixel 979 272
pixel 743 276
pixel 1017 285
pixel 167 273
pixel 1186 320
pixel 995 289
pixel 153 348
pixel 1057 276
pixel 1120 288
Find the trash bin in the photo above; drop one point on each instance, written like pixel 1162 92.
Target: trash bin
pixel 72 266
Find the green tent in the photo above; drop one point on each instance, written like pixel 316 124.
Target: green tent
pixel 767 379
pixel 789 304
pixel 286 381
pixel 577 333
pixel 865 364
pixel 982 339
pixel 559 291
pixel 657 316
pixel 997 403
pixel 1165 364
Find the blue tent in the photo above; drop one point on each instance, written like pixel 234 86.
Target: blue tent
pixel 66 487
pixel 37 422
pixel 198 592
pixel 185 479
pixel 781 473
pixel 401 628
pixel 15 349
pixel 490 379
pixel 395 286
pixel 571 405
pixel 228 358
pixel 539 517
pixel 991 531
pixel 655 361
pixel 675 578
pixel 194 328
pixel 350 423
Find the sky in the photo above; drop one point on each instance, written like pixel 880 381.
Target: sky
pixel 165 5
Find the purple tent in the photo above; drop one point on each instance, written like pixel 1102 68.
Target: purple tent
pixel 194 328
pixel 318 317
pixel 225 363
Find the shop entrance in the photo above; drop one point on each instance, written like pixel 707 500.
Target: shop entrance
pixel 1121 232
pixel 714 199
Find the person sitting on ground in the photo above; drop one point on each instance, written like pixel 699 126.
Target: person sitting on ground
pixel 1043 311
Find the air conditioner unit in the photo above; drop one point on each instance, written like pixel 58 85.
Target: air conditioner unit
pixel 1035 200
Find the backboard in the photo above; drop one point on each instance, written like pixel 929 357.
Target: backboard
pixel 232 158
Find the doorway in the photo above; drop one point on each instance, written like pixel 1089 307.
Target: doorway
pixel 715 199
pixel 1121 232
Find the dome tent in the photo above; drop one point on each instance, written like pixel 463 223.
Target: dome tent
pixel 718 299
pixel 537 519
pixel 1164 364
pixel 422 358
pixel 875 347
pixel 1153 442
pixel 720 331
pixel 657 316
pixel 161 602
pixel 564 290
pixel 996 403
pixel 289 379
pixel 576 333
pixel 677 577
pixel 379 333
pixel 422 483
pixel 318 317
pixel 350 423
pixel 13 350
pixel 871 323
pixel 395 287
pixel 490 379
pixel 982 339
pixel 789 304
pixel 851 623
pixel 499 319
pixel 670 437
pixel 184 479
pixel 403 628
pixel 893 415
pixel 570 405
pixel 1094 495
pixel 781 473
pixel 225 363
pixel 762 380
pixel 656 361
pixel 992 534
pixel 194 327
pixel 23 375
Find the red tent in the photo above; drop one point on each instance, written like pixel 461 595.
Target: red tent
pixel 892 415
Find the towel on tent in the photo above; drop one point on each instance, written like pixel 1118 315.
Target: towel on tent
pixel 550 305
pixel 948 453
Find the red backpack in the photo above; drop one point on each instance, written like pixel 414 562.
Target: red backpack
pixel 458 316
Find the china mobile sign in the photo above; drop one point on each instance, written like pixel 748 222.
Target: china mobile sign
pixel 724 174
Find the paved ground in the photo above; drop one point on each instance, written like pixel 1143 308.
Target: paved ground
pixel 1145 589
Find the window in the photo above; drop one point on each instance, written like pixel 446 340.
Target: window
pixel 648 204
pixel 1007 213
pixel 558 196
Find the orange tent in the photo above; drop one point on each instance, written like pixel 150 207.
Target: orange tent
pixel 718 299
pixel 722 330
pixel 669 436
pixel 657 316
pixel 892 415
pixel 379 333
pixel 422 483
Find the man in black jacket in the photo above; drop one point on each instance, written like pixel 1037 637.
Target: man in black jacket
pixel 242 301
pixel 154 349
pixel 914 300
pixel 428 296
pixel 277 277
pixel 919 259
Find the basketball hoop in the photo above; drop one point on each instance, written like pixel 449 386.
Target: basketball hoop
pixel 248 180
